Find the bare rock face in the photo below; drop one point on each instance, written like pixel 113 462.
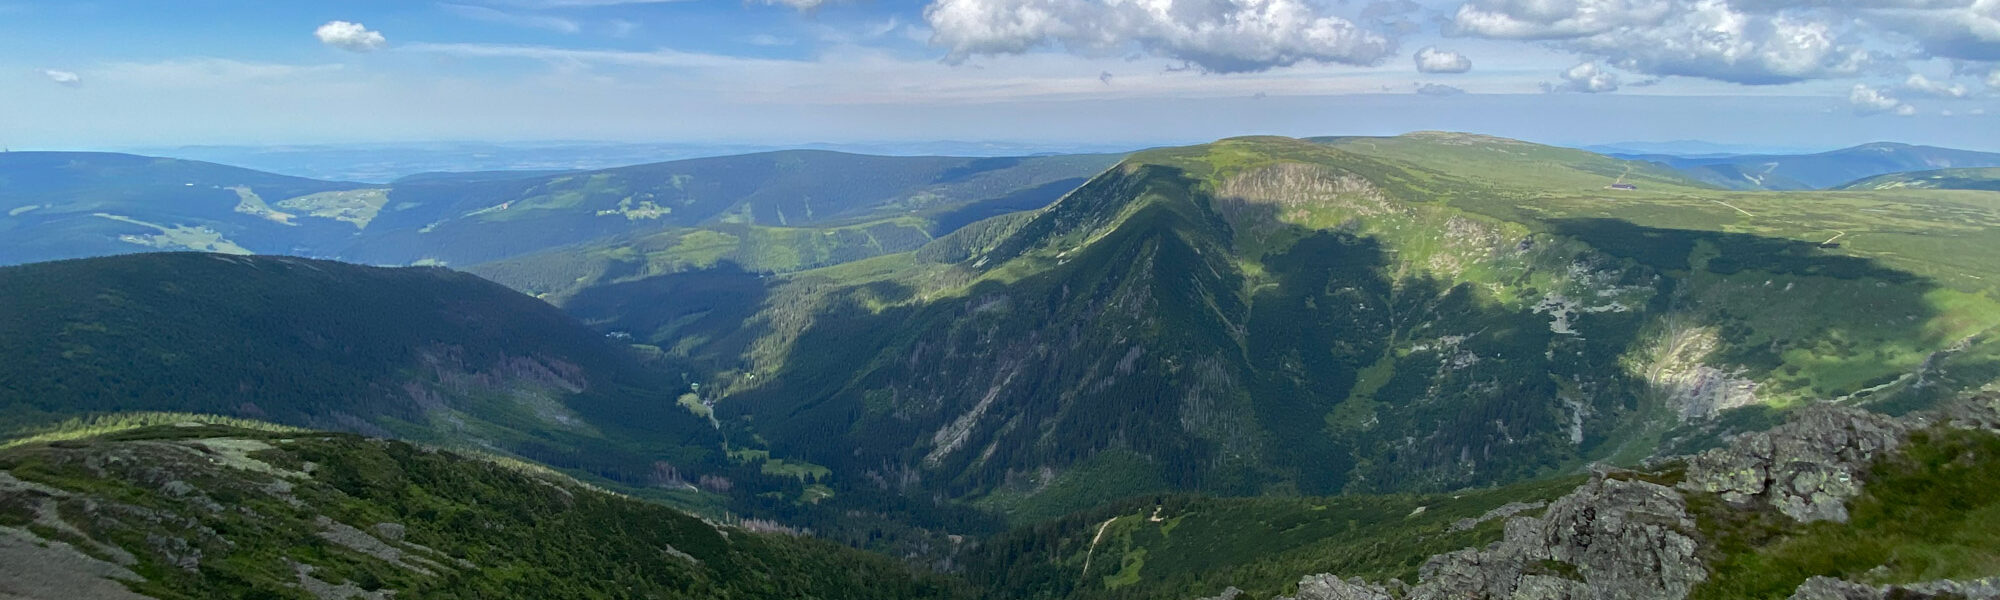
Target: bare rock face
pixel 1328 587
pixel 1807 468
pixel 1619 539
pixel 1629 539
pixel 1609 539
pixel 1828 588
pixel 1229 594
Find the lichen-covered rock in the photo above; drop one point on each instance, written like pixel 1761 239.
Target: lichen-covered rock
pixel 1807 468
pixel 1828 588
pixel 1608 540
pixel 1228 594
pixel 1619 539
pixel 1328 587
pixel 1550 587
pixel 1629 539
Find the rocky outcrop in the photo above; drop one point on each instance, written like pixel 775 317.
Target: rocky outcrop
pixel 1807 468
pixel 1618 537
pixel 1328 587
pixel 1828 588
pixel 1610 539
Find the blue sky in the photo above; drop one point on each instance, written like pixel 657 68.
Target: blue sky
pixel 1789 73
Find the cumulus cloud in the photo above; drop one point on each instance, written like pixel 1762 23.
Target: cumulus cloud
pixel 1993 79
pixel 1869 101
pixel 1965 30
pixel 1219 36
pixel 63 78
pixel 1918 84
pixel 1708 39
pixel 1776 5
pixel 1555 19
pixel 352 37
pixel 1585 78
pixel 1438 89
pixel 1433 60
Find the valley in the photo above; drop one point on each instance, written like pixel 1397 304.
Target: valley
pixel 1156 375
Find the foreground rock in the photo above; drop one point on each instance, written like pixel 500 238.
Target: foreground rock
pixel 1619 537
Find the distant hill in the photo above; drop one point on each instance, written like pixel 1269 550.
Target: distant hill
pixel 465 221
pixel 1819 171
pixel 1689 148
pixel 56 205
pixel 419 353
pixel 1944 179
pixel 548 231
pixel 187 510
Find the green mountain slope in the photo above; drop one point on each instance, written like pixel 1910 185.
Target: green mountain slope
pixel 1987 179
pixel 1846 496
pixel 203 511
pixel 423 354
pixel 1823 170
pixel 1180 547
pixel 551 232
pixel 418 353
pixel 1275 316
pixel 463 221
pixel 56 205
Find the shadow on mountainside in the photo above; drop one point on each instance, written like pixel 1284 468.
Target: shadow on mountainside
pixel 1142 358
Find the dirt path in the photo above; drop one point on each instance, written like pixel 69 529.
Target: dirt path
pixel 1093 545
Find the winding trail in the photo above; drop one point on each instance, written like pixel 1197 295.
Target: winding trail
pixel 1745 212
pixel 1093 545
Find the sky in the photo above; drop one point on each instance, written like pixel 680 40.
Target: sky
pixel 1770 73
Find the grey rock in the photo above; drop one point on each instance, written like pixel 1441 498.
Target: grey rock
pixel 1549 587
pixel 1228 594
pixel 1507 510
pixel 1807 468
pixel 392 532
pixel 1828 588
pixel 1328 587
pixel 1629 539
pixel 1610 539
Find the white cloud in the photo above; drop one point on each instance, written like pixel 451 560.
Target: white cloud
pixel 798 4
pixel 1868 101
pixel 352 37
pixel 1965 30
pixel 1776 5
pixel 1221 36
pixel 850 74
pixel 63 78
pixel 1918 84
pixel 1586 78
pixel 490 15
pixel 1694 38
pixel 1433 60
pixel 1555 19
